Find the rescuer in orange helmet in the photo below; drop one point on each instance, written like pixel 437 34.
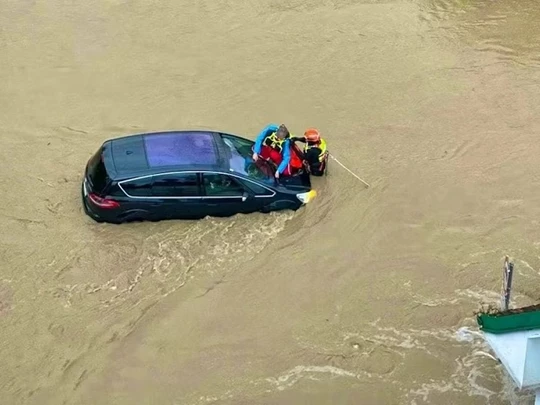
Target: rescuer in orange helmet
pixel 315 152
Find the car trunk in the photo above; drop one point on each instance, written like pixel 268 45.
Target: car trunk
pixel 96 173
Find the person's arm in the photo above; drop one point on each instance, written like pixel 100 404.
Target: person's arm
pixel 302 139
pixel 260 138
pixel 286 156
pixel 298 139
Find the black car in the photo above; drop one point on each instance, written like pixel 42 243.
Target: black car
pixel 185 175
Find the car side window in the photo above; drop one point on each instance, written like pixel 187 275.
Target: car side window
pixel 176 185
pixel 257 189
pixel 138 187
pixel 221 185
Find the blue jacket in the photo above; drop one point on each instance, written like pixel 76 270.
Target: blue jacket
pixel 286 151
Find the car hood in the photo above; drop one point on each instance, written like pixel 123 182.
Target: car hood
pixel 300 183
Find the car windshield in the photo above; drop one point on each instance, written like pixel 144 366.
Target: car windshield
pixel 241 160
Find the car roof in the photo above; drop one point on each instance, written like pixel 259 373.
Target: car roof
pixel 158 152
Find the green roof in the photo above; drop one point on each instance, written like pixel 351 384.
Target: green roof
pixel 512 320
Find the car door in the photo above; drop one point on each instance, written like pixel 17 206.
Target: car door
pixel 225 195
pixel 179 195
pixel 263 195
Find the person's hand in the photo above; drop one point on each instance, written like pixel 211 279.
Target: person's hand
pixel 277 174
pixel 255 157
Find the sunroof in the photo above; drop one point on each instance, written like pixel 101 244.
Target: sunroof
pixel 180 148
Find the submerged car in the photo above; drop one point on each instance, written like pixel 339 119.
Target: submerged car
pixel 185 175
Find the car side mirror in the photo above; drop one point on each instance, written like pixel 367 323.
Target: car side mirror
pixel 245 196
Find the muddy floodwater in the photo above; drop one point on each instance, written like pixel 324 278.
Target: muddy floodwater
pixel 365 296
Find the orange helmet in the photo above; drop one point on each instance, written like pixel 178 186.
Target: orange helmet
pixel 312 135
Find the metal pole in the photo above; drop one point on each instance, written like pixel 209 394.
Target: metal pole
pixel 508 273
pixel 509 283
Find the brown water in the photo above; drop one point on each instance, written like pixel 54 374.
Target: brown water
pixel 366 296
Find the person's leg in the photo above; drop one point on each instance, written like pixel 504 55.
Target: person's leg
pixel 317 169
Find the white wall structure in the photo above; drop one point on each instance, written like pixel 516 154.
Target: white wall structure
pixel 519 352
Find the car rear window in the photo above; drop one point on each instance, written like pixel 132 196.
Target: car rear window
pixel 97 173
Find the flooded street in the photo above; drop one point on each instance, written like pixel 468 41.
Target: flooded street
pixel 365 296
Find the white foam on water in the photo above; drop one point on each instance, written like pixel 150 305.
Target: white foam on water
pixel 282 382
pixel 483 253
pixel 465 334
pixel 426 389
pixel 179 250
pixel 479 294
pixel 434 302
pixel 512 396
pixel 291 377
pixel 467 371
pixel 482 353
pixel 214 245
pixel 408 339
pixel 473 373
pixel 532 271
pixel 209 399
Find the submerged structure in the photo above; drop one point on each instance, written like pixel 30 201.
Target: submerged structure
pixel 514 337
